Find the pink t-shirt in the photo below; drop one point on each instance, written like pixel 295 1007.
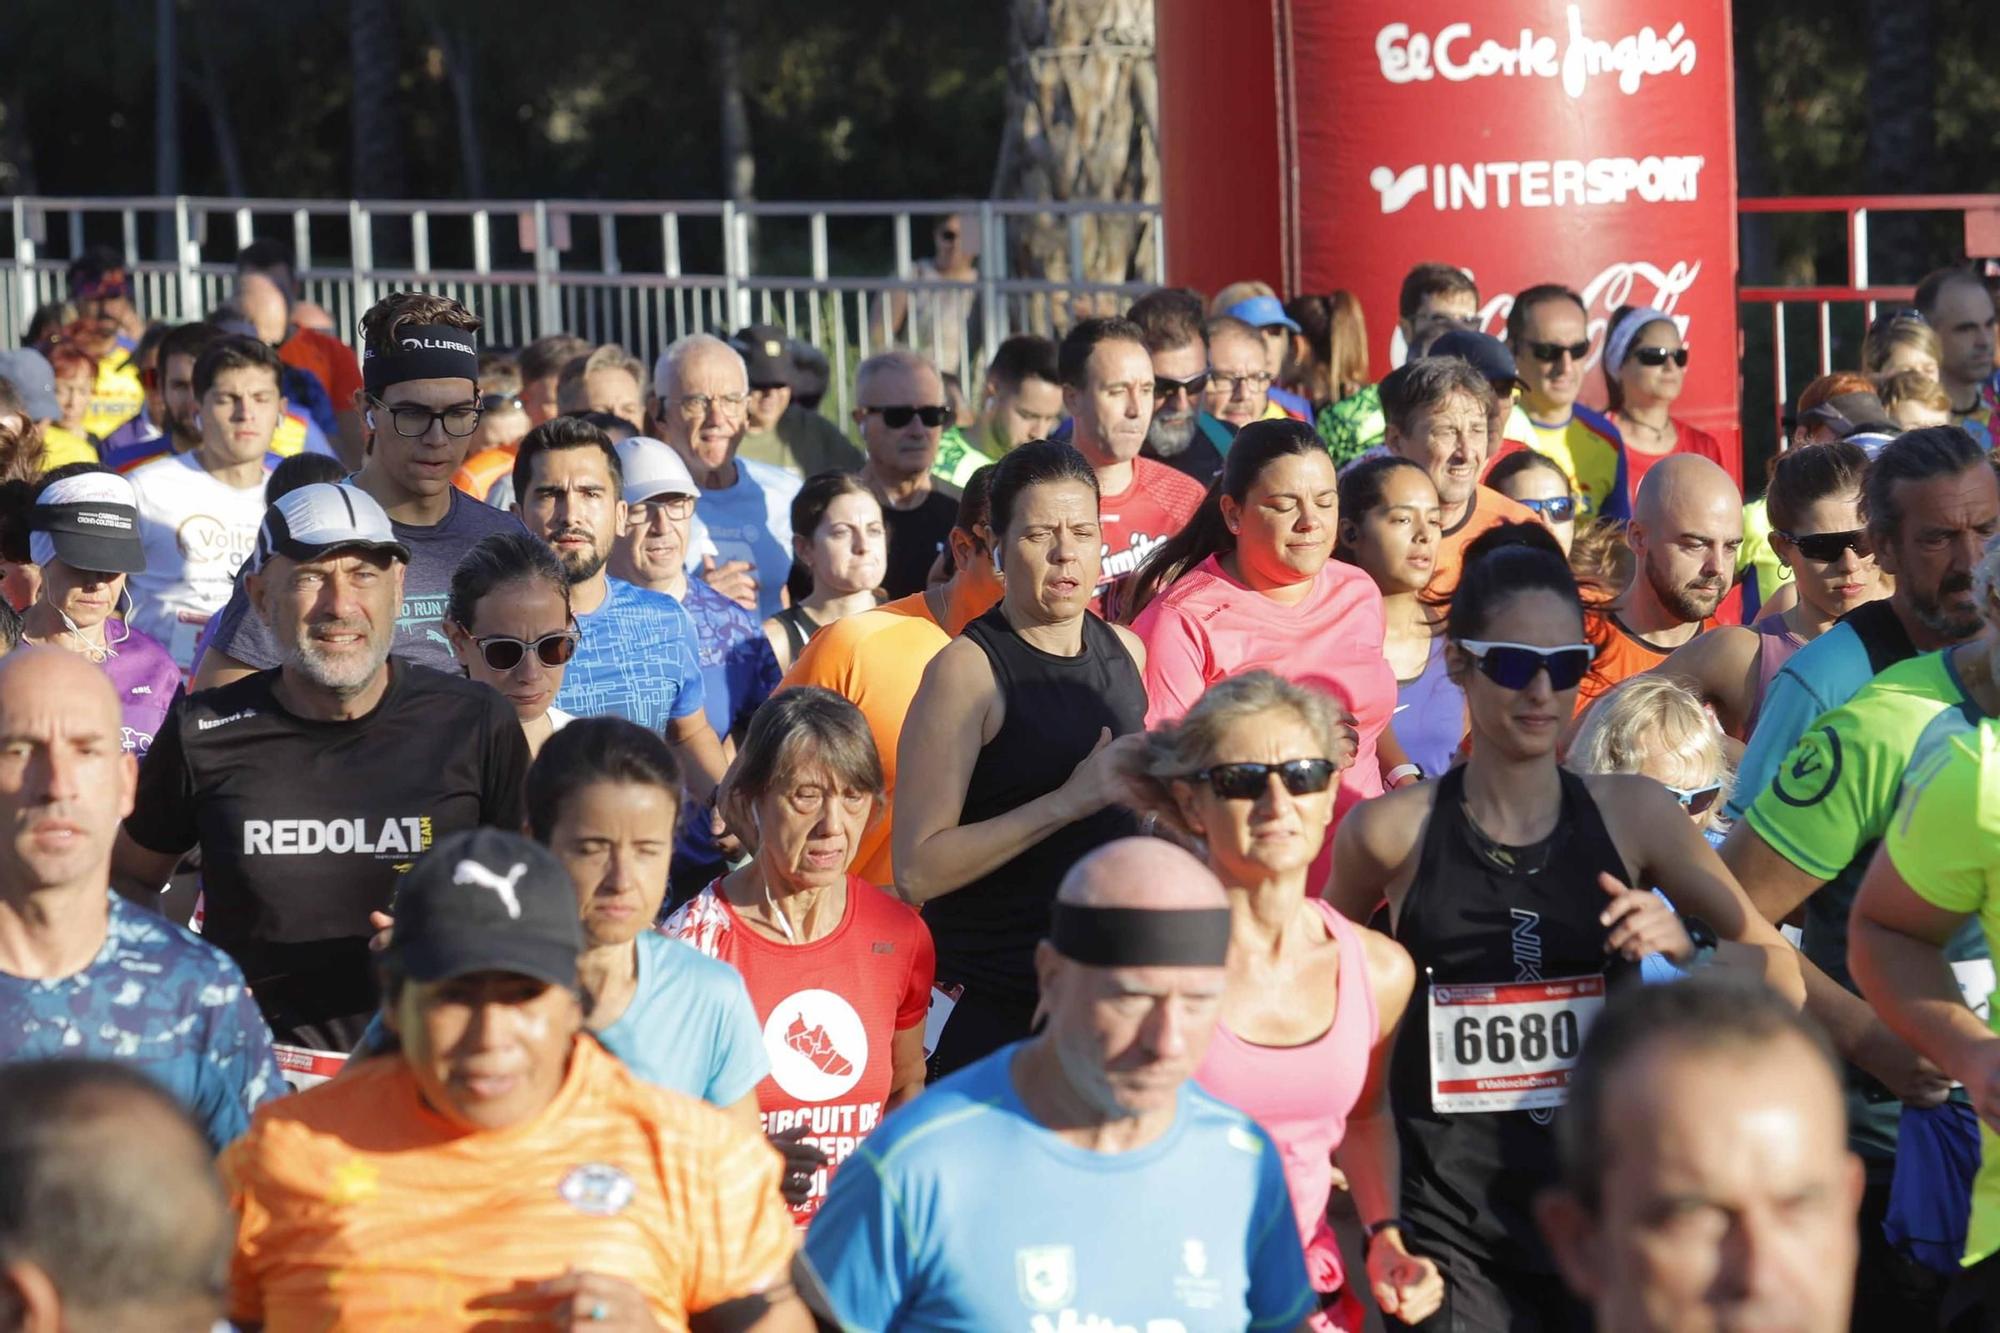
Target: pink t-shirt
pixel 1208 626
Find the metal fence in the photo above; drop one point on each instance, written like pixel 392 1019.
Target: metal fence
pixel 845 277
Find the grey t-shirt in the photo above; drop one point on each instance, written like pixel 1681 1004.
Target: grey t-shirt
pixel 434 553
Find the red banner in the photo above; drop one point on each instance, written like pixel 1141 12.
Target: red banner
pixel 1526 141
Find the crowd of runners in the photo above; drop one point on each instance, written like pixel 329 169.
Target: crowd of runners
pixel 1183 834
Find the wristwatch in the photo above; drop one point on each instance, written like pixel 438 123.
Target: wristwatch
pixel 1396 775
pixel 1704 939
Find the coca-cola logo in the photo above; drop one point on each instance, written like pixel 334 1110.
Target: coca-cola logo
pixel 1453 54
pixel 1630 282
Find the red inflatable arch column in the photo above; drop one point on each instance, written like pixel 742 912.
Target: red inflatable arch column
pixel 1323 144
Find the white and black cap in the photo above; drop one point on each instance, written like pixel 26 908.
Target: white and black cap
pixel 88 521
pixel 317 520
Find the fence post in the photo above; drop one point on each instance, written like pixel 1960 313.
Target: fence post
pixel 991 242
pixel 184 262
pixel 24 272
pixel 548 311
pixel 732 272
pixel 361 249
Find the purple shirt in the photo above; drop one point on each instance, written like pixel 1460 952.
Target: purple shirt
pixel 146 679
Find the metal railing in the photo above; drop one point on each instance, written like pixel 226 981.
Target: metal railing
pixel 845 277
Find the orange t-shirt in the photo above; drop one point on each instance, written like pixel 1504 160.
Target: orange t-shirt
pixel 327 357
pixel 1489 510
pixel 361 1208
pixel 478 473
pixel 1621 654
pixel 875 661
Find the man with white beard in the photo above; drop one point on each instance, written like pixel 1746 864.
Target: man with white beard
pixel 312 786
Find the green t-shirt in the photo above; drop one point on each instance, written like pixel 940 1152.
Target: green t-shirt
pixel 1828 806
pixel 1942 842
pixel 1352 426
pixel 957 458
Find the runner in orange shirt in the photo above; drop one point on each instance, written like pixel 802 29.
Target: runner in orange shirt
pixel 503 1169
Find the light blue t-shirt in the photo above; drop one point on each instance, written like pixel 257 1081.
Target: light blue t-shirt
pixel 163 1001
pixel 638 660
pixel 960 1212
pixel 750 521
pixel 690 1026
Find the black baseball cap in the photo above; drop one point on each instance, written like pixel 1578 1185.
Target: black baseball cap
pixel 1848 414
pixel 91 521
pixel 488 901
pixel 767 355
pixel 1482 351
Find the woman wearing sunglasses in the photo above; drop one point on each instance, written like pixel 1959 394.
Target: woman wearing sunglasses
pixel 1814 504
pixel 1312 1001
pixel 1251 583
pixel 1645 369
pixel 1507 880
pixel 1538 483
pixel 838 535
pixel 510 626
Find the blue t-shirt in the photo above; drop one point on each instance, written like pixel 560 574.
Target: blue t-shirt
pixel 738 673
pixel 163 1001
pixel 637 660
pixel 960 1212
pixel 690 1026
pixel 750 521
pixel 1819 678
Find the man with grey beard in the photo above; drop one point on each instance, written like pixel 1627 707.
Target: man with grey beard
pixel 312 786
pixel 1181 435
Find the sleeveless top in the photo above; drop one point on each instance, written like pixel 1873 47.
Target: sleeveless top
pixel 1775 645
pixel 1302 1095
pixel 1055 706
pixel 1430 714
pixel 799 628
pixel 1470 1178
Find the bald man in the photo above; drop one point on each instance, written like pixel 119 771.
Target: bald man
pixel 1080 1174
pixel 1687 523
pixel 112 1219
pixel 83 972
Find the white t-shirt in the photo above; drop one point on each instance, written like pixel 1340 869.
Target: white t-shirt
pixel 197 532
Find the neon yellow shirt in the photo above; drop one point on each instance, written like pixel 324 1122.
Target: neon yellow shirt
pixel 116 397
pixel 1588 449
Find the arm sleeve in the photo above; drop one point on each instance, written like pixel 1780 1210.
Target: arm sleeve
pixel 239 631
pixel 859 1247
pixel 743 1230
pixel 503 797
pixel 1789 708
pixel 916 1003
pixel 1928 839
pixel 740 1062
pixel 1176 667
pixel 1826 800
pixel 163 808
pixel 1280 1294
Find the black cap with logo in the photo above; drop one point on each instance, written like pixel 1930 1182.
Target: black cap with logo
pixel 767 355
pixel 488 901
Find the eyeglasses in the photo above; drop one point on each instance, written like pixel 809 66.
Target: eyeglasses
pixel 694 406
pixel 895 418
pixel 499 402
pixel 1246 782
pixel 947 233
pixel 1827 547
pixel 1697 801
pixel 1236 384
pixel 1550 353
pixel 1165 387
pixel 504 654
pixel 413 423
pixel 1659 356
pixel 1556 509
pixel 642 514
pixel 1514 666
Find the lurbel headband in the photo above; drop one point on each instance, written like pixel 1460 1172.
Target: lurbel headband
pixel 423 352
pixel 1141 936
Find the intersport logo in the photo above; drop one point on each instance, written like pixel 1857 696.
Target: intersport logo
pixel 1452 54
pixel 1480 186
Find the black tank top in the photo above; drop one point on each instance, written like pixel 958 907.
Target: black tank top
pixel 799 628
pixel 1469 1178
pixel 986 932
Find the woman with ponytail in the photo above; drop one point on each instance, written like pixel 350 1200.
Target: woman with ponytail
pixel 1250 583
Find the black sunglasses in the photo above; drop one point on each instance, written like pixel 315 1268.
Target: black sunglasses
pixel 1697 801
pixel 895 418
pixel 504 654
pixel 1514 666
pixel 1163 387
pixel 1550 353
pixel 1827 547
pixel 1659 356
pixel 1246 782
pixel 1556 509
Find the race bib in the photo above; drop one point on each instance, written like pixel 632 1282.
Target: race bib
pixel 943 1001
pixel 1508 1047
pixel 306 1068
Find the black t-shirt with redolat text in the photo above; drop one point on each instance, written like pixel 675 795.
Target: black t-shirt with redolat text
pixel 305 826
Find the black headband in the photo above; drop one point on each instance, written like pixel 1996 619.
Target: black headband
pixel 423 352
pixel 1141 936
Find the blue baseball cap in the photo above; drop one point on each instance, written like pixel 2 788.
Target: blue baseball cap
pixel 1261 312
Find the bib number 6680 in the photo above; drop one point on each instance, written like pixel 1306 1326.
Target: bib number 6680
pixel 1499 1039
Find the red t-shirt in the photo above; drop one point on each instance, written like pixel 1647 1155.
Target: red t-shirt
pixel 1687 440
pixel 1157 504
pixel 327 357
pixel 830 1010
